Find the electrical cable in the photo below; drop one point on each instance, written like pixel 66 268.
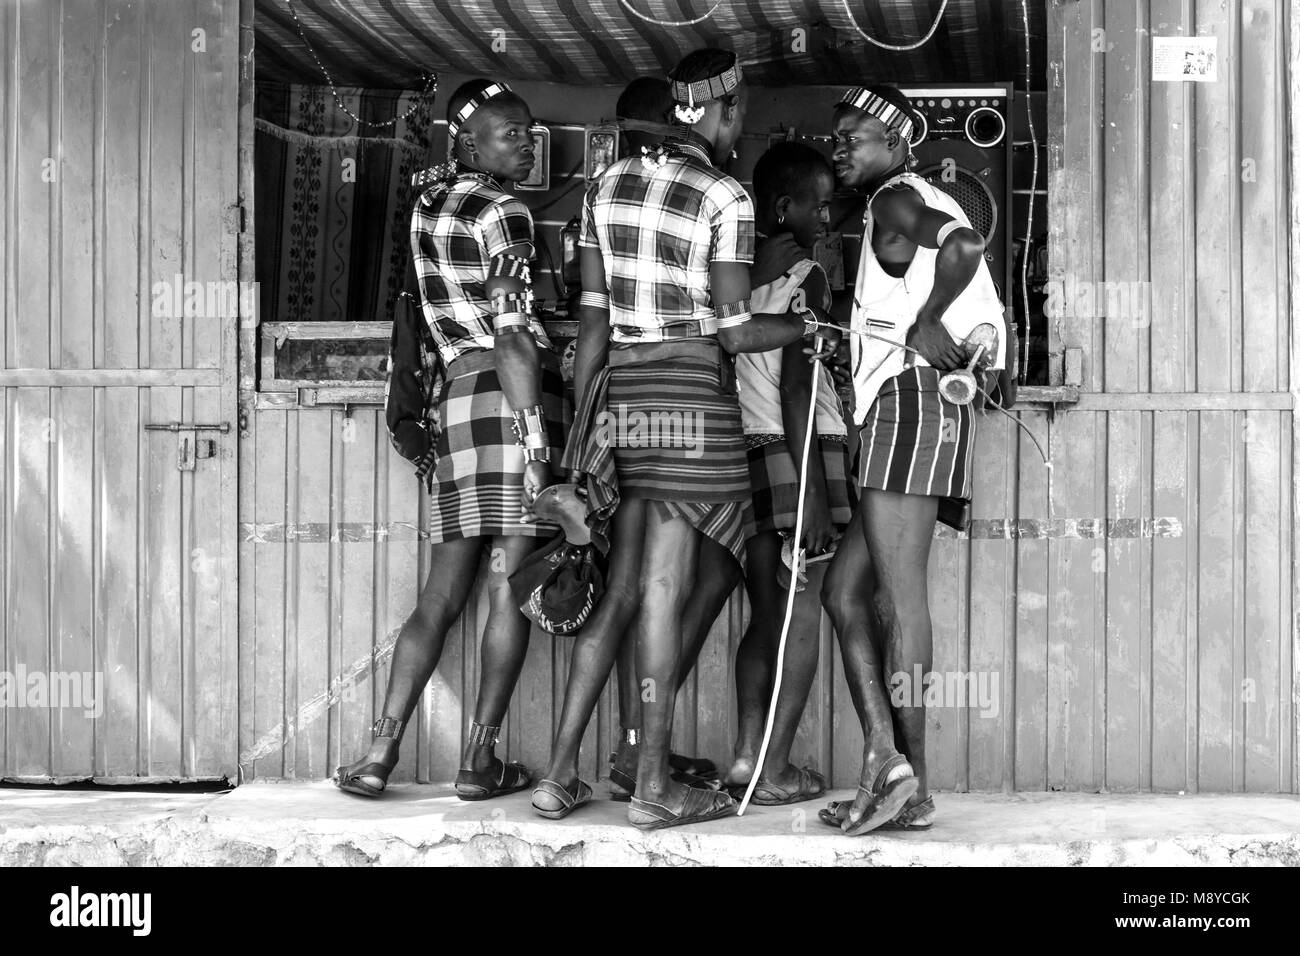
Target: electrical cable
pixel 1033 193
pixel 673 23
pixel 890 46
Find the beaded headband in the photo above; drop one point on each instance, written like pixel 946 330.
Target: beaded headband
pixel 701 91
pixel 863 99
pixel 466 111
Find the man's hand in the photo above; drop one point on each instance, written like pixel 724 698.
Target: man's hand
pixel 840 365
pixel 818 530
pixel 929 337
pixel 537 476
pixel 774 258
pixel 830 337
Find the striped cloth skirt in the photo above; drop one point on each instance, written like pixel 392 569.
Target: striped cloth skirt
pixel 916 442
pixel 774 481
pixel 667 415
pixel 479 478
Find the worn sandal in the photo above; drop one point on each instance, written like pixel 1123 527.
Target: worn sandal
pixel 811 786
pixel 886 798
pixel 699 767
pixel 354 781
pixel 480 785
pixel 700 805
pixel 569 800
pixel 624 784
pixel 918 817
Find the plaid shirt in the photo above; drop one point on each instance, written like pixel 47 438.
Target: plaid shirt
pixel 455 234
pixel 658 232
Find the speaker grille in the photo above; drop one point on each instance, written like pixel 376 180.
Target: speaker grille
pixel 971 194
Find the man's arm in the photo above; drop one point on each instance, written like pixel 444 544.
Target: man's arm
pixel 799 379
pixel 516 350
pixel 592 350
pixel 517 365
pixel 960 252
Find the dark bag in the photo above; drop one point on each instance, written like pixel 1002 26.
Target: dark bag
pixel 411 391
pixel 558 586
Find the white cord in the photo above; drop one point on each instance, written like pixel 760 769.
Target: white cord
pixel 796 558
pixel 1033 190
pixel 889 46
pixel 674 23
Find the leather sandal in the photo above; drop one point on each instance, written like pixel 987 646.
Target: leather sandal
pixel 699 806
pixel 484 785
pixel 811 785
pixel 887 798
pixel 370 780
pixel 569 800
pixel 918 817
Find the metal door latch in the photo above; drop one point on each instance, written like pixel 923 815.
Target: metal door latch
pixel 189 449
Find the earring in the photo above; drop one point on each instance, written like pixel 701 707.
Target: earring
pixel 780 220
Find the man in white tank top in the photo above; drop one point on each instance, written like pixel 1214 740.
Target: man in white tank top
pixel 922 282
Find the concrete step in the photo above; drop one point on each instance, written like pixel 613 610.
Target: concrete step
pixel 269 824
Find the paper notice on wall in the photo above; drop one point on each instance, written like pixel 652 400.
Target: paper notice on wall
pixel 1185 58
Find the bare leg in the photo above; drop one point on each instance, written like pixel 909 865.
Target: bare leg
pixel 756 665
pixel 599 641
pixel 503 647
pixel 717 575
pixel 419 643
pixel 900 529
pixel 667 574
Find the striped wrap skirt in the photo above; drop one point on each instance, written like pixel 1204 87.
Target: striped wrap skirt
pixel 662 423
pixel 774 481
pixel 916 442
pixel 479 477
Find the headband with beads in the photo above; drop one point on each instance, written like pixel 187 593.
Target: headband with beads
pixel 701 91
pixel 466 111
pixel 863 99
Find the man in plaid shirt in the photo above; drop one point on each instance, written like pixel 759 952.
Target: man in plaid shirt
pixel 502 417
pixel 454 239
pixel 667 243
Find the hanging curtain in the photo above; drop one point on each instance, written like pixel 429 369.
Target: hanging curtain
pixel 332 240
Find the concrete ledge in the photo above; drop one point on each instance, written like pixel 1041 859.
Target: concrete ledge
pixel 265 824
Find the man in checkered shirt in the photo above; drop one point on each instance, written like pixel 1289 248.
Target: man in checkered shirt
pixel 667 243
pixel 454 240
pixel 502 414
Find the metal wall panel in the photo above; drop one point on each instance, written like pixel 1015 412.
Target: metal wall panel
pixel 119 166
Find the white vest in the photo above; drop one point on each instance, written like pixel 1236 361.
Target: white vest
pixel 884 305
pixel 758 374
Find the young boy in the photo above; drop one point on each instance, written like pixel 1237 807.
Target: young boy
pixel 792 188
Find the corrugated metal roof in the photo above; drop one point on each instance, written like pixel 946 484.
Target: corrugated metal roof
pixel 388 43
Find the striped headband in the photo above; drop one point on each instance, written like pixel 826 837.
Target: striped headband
pixel 466 111
pixel 701 91
pixel 861 98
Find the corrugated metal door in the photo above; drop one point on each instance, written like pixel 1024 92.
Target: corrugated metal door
pixel 120 311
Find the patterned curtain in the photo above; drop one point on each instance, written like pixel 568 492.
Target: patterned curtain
pixel 332 215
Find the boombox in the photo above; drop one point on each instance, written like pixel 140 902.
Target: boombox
pixel 963 144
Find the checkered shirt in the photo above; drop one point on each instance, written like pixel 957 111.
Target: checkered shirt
pixel 455 234
pixel 658 231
